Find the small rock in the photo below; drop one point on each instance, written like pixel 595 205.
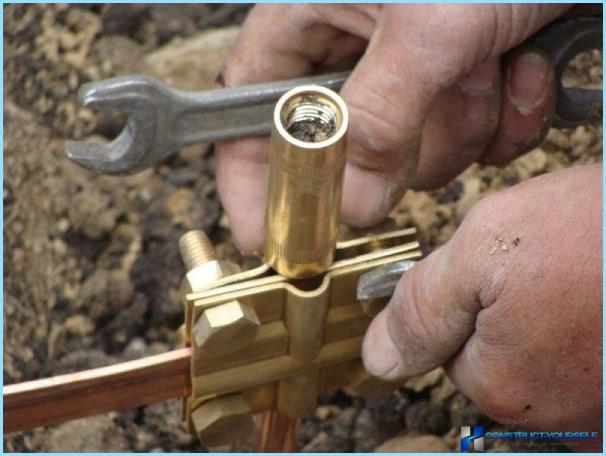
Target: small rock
pixel 531 164
pixel 192 63
pixel 463 412
pixel 122 19
pixel 323 412
pixel 135 349
pixel 81 360
pixel 414 444
pixel 144 441
pixel 388 413
pixel 426 417
pixel 320 443
pixel 79 325
pixel 443 392
pixel 87 435
pixel 422 382
pixel 157 348
pixel 105 293
pixel 471 195
pixel 365 433
pixel 123 53
pixel 336 434
pixel 91 214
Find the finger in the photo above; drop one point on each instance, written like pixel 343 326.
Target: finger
pixel 433 309
pixel 527 108
pixel 459 126
pixel 283 41
pixel 242 174
pixel 387 105
pixel 277 42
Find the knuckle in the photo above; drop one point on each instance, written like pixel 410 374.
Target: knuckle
pixel 377 131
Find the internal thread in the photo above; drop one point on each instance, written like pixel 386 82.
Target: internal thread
pixel 311 121
pixel 196 249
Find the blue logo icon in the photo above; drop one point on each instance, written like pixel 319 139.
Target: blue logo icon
pixel 472 439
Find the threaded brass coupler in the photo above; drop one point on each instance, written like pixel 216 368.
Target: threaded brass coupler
pixel 306 167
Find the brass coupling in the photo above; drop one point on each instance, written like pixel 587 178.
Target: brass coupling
pixel 306 167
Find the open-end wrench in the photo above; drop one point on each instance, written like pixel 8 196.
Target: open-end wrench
pixel 163 120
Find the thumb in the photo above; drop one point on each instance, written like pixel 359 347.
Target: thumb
pixel 387 109
pixel 430 316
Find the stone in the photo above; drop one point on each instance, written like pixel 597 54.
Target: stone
pixel 79 325
pixel 86 435
pixel 414 444
pixel 422 382
pixel 192 63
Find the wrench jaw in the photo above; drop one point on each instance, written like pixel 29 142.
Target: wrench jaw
pixel 112 158
pixel 138 145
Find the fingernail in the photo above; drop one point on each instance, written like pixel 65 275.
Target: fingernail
pixel 380 355
pixel 480 81
pixel 527 81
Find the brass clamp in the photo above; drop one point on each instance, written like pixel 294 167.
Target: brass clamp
pixel 276 336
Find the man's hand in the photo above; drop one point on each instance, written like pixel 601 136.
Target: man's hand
pixel 427 97
pixel 512 305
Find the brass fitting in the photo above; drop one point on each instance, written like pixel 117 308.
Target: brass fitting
pixel 222 420
pixel 196 249
pixel 202 266
pixel 226 327
pixel 306 167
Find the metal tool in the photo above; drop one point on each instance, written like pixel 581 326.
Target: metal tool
pixel 163 120
pixel 381 282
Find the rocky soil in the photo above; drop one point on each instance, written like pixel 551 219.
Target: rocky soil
pixel 91 267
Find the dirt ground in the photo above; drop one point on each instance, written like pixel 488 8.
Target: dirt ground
pixel 91 267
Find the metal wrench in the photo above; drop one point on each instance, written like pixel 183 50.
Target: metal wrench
pixel 163 120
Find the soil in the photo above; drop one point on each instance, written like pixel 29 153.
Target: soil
pixel 312 130
pixel 91 264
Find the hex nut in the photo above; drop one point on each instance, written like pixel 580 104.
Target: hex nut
pixel 204 275
pixel 223 420
pixel 225 328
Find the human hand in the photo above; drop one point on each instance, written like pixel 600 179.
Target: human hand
pixel 427 97
pixel 518 328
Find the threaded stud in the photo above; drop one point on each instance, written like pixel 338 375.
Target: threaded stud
pixel 196 249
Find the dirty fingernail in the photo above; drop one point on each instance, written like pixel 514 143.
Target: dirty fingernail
pixel 528 81
pixel 380 355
